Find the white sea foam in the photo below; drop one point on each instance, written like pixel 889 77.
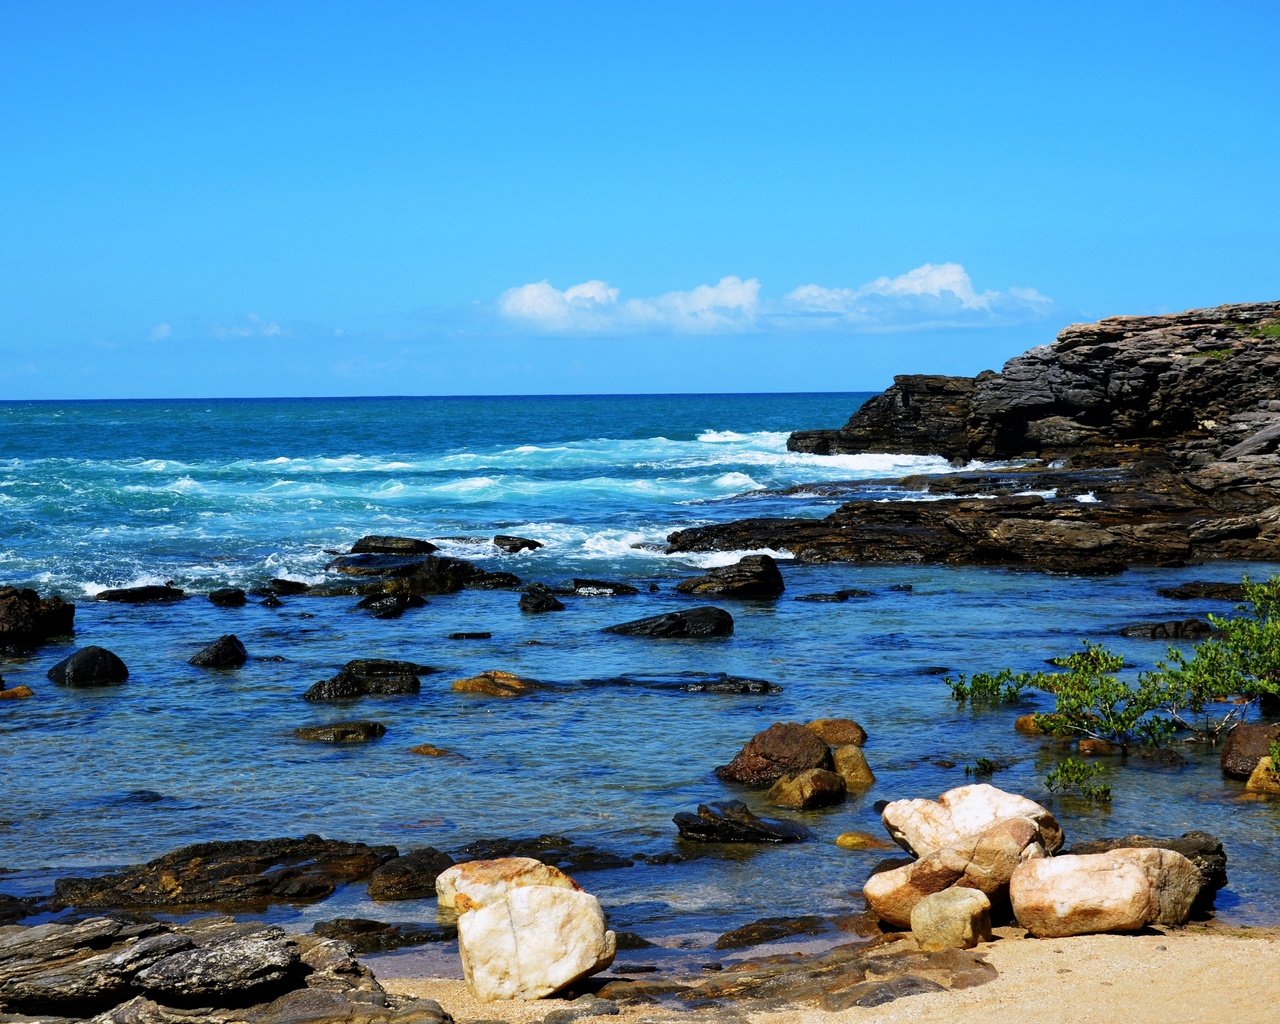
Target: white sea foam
pixel 1088 498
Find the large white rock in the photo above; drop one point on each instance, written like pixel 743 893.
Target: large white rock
pixel 533 942
pixel 923 826
pixel 1118 891
pixel 478 883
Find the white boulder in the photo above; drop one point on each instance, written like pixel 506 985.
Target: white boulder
pixel 923 826
pixel 533 942
pixel 478 883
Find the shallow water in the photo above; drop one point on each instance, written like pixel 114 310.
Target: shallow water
pixel 100 494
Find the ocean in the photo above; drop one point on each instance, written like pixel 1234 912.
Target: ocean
pixel 219 493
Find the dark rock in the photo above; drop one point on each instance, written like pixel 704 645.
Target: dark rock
pixel 1246 745
pixel 631 941
pixel 513 545
pixel 770 929
pixel 558 851
pixel 143 595
pixel 389 606
pixel 271 601
pixel 370 676
pixel 235 972
pixel 688 624
pixel 282 587
pixel 755 577
pixel 15 908
pixel 411 876
pixel 366 936
pixel 399 574
pixel 1205 851
pixel 244 874
pixel 225 652
pixel 89 666
pixel 877 993
pixel 341 732
pixel 690 682
pixel 469 636
pixel 785 748
pixel 538 598
pixel 601 588
pixel 371 564
pixel 494 581
pixel 837 597
pixel 582 1008
pixel 1202 591
pixel 228 597
pixel 27 620
pixel 380 545
pixel 1176 629
pixel 732 822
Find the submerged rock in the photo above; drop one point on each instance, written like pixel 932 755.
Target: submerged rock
pixel 690 682
pixel 240 874
pixel 225 652
pixel 143 595
pixel 341 732
pixel 693 623
pixel 89 666
pixel 389 606
pixel 755 577
pixel 1203 591
pixel 411 876
pixel 1175 629
pixel 732 822
pixel 495 683
pixel 369 676
pixel 770 929
pixel 538 598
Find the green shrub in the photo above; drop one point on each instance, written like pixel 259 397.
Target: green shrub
pixel 1079 777
pixel 983 688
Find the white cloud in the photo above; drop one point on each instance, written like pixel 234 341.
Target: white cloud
pixel 594 307
pixel 251 326
pixel 160 332
pixel 931 295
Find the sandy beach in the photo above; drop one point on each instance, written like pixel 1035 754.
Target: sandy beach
pixel 1194 974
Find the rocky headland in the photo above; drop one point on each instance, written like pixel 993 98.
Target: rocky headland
pixel 1135 440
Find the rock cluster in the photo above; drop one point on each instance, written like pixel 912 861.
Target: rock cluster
pixel 28 620
pixel 369 676
pixel 806 766
pixel 755 577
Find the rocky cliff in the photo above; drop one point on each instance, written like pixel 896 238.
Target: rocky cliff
pixel 1158 438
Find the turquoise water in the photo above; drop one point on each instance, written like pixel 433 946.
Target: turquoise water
pixel 207 493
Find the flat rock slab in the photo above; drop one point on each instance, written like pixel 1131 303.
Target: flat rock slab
pixel 693 623
pixel 142 595
pixel 341 732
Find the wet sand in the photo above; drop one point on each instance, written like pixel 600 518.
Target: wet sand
pixel 1196 974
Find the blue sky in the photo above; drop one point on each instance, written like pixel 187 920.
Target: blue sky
pixel 205 199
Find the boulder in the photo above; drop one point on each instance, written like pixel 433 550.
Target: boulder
pixel 341 732
pixel 411 876
pixel 1246 745
pixel 143 595
pixel 232 971
pixel 815 787
pixel 692 623
pixel 538 598
pixel 376 544
pixel 89 666
pixel 228 597
pixel 755 577
pixel 851 765
pixel 27 620
pixel 1205 851
pixel 732 822
pixel 837 732
pixel 1120 891
pixel 1265 778
pixel 19 692
pixel 479 883
pixel 281 587
pixel 514 545
pixel 952 919
pixel 921 826
pixel 785 748
pixel 495 683
pixel 225 652
pixel 533 942
pixel 985 861
pixel 243 874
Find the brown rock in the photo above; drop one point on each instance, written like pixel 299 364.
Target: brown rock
pixel 784 748
pixel 496 684
pixel 862 841
pixel 851 765
pixel 755 577
pixel 1265 778
pixel 952 919
pixel 431 750
pixel 1028 726
pixel 17 693
pixel 815 787
pixel 1246 745
pixel 838 732
pixel 341 732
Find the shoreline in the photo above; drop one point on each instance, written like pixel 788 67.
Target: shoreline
pixel 1146 978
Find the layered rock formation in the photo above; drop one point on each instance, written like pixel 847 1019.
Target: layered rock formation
pixel 1139 440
